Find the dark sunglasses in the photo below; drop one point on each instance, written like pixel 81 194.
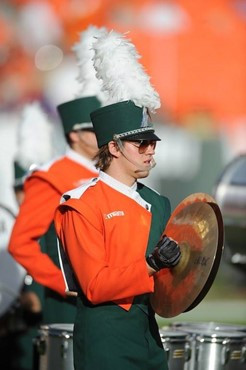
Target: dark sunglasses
pixel 143 145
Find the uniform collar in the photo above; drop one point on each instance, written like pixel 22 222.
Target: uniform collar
pixel 76 157
pixel 129 191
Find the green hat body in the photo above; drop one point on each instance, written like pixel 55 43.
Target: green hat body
pixel 75 114
pixel 122 120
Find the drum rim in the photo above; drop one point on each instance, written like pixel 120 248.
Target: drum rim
pixel 219 334
pixel 57 330
pixel 227 339
pixel 217 326
pixel 177 334
pixel 197 330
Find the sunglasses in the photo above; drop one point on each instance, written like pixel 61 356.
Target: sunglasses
pixel 143 145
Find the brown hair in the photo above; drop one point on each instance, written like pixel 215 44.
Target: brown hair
pixel 103 158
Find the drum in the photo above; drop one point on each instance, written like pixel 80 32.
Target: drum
pixel 177 348
pixel 195 329
pixel 208 329
pixel 230 193
pixel 54 347
pixel 219 350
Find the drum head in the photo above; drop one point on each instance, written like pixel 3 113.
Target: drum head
pixel 196 224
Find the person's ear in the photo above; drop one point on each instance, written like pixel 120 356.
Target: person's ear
pixel 114 149
pixel 73 136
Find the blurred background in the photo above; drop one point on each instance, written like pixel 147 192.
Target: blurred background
pixel 196 57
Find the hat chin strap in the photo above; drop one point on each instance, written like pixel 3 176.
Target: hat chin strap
pixel 139 167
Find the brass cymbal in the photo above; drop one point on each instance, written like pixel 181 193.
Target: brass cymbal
pixel 196 224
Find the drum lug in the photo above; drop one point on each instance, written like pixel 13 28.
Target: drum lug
pixel 64 349
pixel 225 355
pixel 243 358
pixel 187 352
pixel 196 354
pixel 40 344
pixel 167 350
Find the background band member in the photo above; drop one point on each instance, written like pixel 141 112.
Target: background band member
pixel 34 147
pixel 44 186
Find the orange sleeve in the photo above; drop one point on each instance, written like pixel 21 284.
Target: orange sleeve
pixel 100 282
pixel 34 218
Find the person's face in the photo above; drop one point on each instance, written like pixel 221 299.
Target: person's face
pixel 138 157
pixel 85 143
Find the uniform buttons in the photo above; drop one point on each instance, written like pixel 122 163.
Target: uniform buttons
pixel 147 207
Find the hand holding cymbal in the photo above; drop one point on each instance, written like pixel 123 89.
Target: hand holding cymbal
pixel 165 255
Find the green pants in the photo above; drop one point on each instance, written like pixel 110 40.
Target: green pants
pixel 58 309
pixel 107 337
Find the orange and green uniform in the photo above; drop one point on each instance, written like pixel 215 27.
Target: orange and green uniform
pixel 43 190
pixel 106 229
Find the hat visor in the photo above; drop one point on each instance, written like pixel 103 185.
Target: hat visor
pixel 90 129
pixel 147 135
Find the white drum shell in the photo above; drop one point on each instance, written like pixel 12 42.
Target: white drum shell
pixel 221 351
pixel 177 348
pixel 200 329
pixel 55 347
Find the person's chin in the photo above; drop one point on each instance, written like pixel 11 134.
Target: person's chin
pixel 141 174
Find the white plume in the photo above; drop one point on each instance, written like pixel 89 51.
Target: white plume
pixel 90 85
pixel 34 137
pixel 123 77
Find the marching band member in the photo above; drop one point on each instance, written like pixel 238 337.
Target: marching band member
pixel 34 148
pixel 110 228
pixel 44 186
